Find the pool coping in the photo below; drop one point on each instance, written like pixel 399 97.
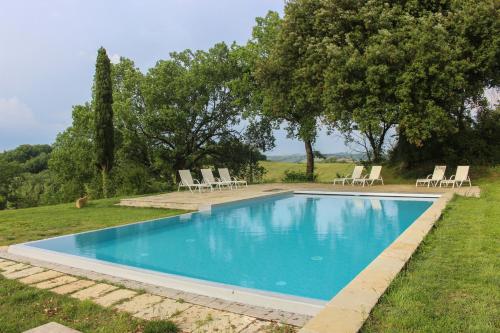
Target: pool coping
pixel 345 312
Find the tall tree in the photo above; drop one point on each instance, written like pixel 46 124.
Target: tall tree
pixel 188 106
pixel 291 89
pixel 103 118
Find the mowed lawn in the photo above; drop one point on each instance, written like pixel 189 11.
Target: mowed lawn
pixel 28 224
pixel 452 283
pixel 326 172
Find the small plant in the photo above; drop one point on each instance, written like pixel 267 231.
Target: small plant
pixel 161 326
pixel 298 177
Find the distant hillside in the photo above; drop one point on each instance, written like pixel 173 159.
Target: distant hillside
pixel 300 158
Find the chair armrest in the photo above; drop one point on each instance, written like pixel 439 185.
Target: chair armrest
pixel 429 176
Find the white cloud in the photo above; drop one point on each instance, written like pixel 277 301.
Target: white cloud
pixel 115 58
pixel 15 115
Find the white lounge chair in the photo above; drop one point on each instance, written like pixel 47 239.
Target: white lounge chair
pixel 226 177
pixel 208 178
pixel 371 178
pixel 188 181
pixel 356 174
pixel 460 177
pixel 434 179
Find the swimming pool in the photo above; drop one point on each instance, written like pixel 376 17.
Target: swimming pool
pixel 305 246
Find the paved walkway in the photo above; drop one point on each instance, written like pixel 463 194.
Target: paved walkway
pixel 201 201
pixel 214 316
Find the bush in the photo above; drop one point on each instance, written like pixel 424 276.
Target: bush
pixel 298 177
pixel 161 326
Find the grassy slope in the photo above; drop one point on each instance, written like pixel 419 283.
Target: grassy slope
pixel 451 283
pixel 41 222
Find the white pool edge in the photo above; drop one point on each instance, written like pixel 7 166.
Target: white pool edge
pixel 248 296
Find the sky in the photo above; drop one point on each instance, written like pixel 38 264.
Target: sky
pixel 48 51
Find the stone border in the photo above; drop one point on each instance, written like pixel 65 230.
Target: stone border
pixel 261 313
pixel 348 310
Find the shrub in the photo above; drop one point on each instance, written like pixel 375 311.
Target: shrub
pixel 161 326
pixel 298 177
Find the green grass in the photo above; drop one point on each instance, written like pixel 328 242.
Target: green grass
pixel 452 283
pixel 328 171
pixel 23 307
pixel 28 224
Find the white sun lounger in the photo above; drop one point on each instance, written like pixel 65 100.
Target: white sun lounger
pixel 356 174
pixel 187 181
pixel 371 178
pixel 460 177
pixel 226 177
pixel 434 179
pixel 208 178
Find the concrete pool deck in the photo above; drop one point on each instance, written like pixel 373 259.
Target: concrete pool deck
pixel 346 312
pixel 202 201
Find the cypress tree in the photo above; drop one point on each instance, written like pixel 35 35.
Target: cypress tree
pixel 103 118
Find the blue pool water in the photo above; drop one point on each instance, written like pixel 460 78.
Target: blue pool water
pixel 302 245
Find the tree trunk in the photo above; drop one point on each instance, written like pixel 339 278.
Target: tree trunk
pixel 309 159
pixel 104 175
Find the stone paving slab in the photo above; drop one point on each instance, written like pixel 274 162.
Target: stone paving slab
pixel 227 322
pixel 93 292
pixel 6 263
pixel 39 277
pixel 139 303
pixel 195 317
pixel 72 287
pixel 163 310
pixel 52 327
pixel 115 297
pixel 15 267
pixel 257 326
pixel 58 281
pixel 23 273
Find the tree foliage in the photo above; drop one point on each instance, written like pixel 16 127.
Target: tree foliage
pixel 103 117
pixel 286 69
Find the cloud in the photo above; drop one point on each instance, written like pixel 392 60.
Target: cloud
pixel 15 115
pixel 115 58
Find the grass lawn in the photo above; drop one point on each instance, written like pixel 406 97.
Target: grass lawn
pixel 23 307
pixel 452 283
pixel 326 171
pixel 23 225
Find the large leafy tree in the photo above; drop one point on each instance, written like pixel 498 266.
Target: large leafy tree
pixel 415 66
pixel 103 119
pixel 287 72
pixel 188 106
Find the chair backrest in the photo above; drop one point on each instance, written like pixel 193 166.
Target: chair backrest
pixel 438 173
pixel 356 173
pixel 462 172
pixel 208 176
pixel 186 177
pixel 375 172
pixel 224 174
